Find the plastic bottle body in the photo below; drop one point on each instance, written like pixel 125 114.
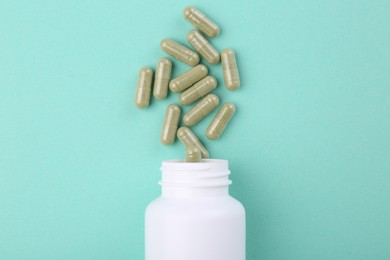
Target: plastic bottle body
pixel 195 218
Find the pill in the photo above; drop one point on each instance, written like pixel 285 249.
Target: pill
pixel 230 71
pixel 201 110
pixel 161 78
pixel 170 125
pixel 198 90
pixel 188 78
pixel 180 52
pixel 201 21
pixel 220 121
pixel 203 46
pixel 144 87
pixel 188 138
pixel 193 154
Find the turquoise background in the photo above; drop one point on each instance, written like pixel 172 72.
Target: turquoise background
pixel 309 147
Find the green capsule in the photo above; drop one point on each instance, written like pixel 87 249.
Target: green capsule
pixel 220 121
pixel 162 77
pixel 144 87
pixel 230 70
pixel 188 78
pixel 180 52
pixel 188 138
pixel 201 21
pixel 198 90
pixel 193 154
pixel 201 110
pixel 170 125
pixel 203 46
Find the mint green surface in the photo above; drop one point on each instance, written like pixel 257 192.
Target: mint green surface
pixel 309 146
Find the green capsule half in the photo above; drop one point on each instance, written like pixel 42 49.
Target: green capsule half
pixel 230 70
pixel 201 21
pixel 188 78
pixel 188 138
pixel 180 52
pixel 144 87
pixel 193 154
pixel 161 78
pixel 198 90
pixel 201 110
pixel 220 121
pixel 170 125
pixel 203 46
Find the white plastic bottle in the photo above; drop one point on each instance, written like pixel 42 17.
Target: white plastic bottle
pixel 195 218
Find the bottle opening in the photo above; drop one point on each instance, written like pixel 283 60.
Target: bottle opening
pixel 206 173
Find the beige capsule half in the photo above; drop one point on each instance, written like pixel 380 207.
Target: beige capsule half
pixel 201 21
pixel 201 110
pixel 144 87
pixel 170 125
pixel 230 70
pixel 193 154
pixel 203 46
pixel 198 90
pixel 188 138
pixel 161 78
pixel 180 52
pixel 188 78
pixel 220 121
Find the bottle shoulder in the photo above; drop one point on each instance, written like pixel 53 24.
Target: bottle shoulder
pixel 155 204
pixel 236 203
pixel 213 205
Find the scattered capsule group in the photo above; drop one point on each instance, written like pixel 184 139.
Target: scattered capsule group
pixel 191 85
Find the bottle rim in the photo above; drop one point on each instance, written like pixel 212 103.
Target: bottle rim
pixel 207 173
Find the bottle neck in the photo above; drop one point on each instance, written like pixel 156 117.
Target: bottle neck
pixel 208 178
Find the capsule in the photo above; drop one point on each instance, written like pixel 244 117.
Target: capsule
pixel 220 121
pixel 203 46
pixel 201 110
pixel 170 125
pixel 193 154
pixel 230 71
pixel 188 78
pixel 180 52
pixel 162 77
pixel 188 138
pixel 144 87
pixel 201 21
pixel 200 89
